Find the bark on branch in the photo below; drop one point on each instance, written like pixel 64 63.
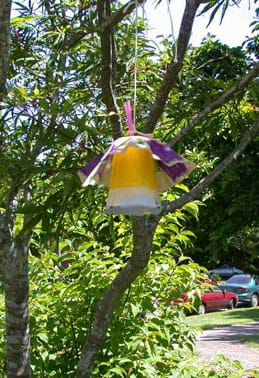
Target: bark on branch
pixel 205 182
pixel 5 11
pixel 118 16
pixel 143 231
pixel 7 221
pixel 108 22
pixel 169 80
pixel 16 284
pixel 14 269
pixel 222 99
pixel 108 68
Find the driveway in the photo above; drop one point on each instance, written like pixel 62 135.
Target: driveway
pixel 227 341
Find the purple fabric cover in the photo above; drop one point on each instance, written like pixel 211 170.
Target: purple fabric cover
pixel 175 171
pixel 87 169
pixel 169 161
pixel 163 152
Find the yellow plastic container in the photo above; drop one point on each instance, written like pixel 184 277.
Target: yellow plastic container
pixel 133 168
pixel 133 183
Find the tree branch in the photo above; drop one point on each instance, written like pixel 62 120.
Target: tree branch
pixel 205 182
pixel 222 99
pixel 143 231
pixel 173 69
pixel 118 16
pixel 107 74
pixel 5 11
pixel 7 220
pixel 72 39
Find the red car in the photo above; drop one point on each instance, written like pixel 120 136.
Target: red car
pixel 213 298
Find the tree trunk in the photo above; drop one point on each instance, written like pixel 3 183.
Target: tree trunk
pixel 143 231
pixel 17 310
pixel 5 10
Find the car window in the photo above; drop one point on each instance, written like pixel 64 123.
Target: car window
pixel 207 287
pixel 217 289
pixel 239 279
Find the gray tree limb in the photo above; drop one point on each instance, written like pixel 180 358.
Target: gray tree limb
pixel 208 180
pixel 174 67
pixel 16 282
pixel 17 310
pixel 116 17
pixel 5 11
pixel 14 268
pixel 108 68
pixel 108 22
pixel 143 231
pixel 240 85
pixel 7 220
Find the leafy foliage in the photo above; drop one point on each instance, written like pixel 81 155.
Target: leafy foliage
pixel 145 336
pixel 224 216
pixel 53 121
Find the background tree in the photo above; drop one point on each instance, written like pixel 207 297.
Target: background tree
pixel 67 61
pixel 225 216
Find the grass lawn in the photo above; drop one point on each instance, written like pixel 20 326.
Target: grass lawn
pixel 251 340
pixel 225 318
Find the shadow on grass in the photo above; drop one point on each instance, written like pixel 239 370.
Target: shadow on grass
pixel 251 314
pixel 218 319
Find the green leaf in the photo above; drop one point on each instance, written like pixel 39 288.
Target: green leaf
pixel 23 92
pixel 53 373
pixel 23 21
pixel 119 371
pixel 183 187
pixel 192 208
pixel 43 337
pixel 67 257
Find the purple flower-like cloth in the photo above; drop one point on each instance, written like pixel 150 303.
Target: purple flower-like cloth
pixel 87 169
pixel 171 167
pixel 163 152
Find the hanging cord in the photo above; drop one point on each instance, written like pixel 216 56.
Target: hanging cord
pixel 135 64
pixel 172 30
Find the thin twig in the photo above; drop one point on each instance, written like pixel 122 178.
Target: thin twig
pixel 222 99
pixel 205 182
pixel 118 16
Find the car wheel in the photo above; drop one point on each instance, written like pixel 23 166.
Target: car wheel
pixel 254 300
pixel 201 309
pixel 231 304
